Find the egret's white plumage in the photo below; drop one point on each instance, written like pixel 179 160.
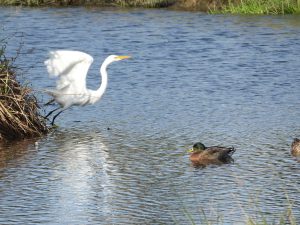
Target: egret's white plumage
pixel 70 68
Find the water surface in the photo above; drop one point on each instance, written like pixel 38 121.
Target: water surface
pixel 219 79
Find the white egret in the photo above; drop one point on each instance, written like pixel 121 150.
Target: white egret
pixel 71 67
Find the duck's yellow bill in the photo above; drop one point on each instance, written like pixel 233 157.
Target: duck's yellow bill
pixel 190 150
pixel 121 57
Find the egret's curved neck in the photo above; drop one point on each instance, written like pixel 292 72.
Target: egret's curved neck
pixel 104 79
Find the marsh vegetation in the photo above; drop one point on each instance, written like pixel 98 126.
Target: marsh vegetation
pixel 211 6
pixel 122 3
pixel 260 7
pixel 19 110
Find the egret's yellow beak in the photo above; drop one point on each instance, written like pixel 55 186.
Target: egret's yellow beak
pixel 121 57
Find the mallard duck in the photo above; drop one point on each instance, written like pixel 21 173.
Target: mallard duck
pixel 296 147
pixel 201 155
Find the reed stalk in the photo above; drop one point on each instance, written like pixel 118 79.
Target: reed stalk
pixel 19 110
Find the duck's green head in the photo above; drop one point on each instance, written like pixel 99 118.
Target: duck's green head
pixel 197 147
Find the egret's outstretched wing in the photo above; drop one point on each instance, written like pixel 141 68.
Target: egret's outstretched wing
pixel 71 68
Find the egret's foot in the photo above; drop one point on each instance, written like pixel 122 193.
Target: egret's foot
pixel 45 118
pixel 54 126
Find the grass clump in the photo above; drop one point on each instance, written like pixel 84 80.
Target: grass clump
pixel 212 6
pixel 286 217
pixel 261 7
pixel 42 2
pixel 19 116
pixel 145 3
pixel 122 3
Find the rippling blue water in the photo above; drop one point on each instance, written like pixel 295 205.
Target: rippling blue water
pixel 219 79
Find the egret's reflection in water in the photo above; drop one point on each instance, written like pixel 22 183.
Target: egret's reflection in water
pixel 81 176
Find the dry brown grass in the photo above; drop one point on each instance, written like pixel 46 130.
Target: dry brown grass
pixel 123 3
pixel 200 5
pixel 19 116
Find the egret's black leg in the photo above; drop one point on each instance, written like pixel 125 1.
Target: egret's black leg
pixel 54 117
pixel 51 112
pixel 50 102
